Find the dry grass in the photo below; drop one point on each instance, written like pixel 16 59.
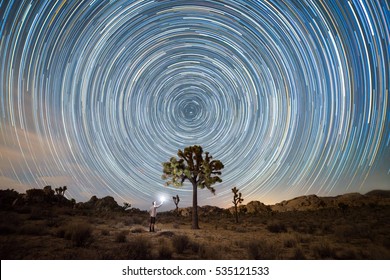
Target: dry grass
pixel 34 233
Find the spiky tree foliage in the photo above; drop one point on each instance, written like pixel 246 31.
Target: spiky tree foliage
pixel 201 171
pixel 237 199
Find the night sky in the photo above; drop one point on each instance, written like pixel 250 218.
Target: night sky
pixel 291 96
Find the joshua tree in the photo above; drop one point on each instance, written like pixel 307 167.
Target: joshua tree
pixel 60 190
pixel 176 200
pixel 126 205
pixel 201 171
pixel 237 199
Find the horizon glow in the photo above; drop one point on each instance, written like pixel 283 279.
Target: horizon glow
pixel 291 96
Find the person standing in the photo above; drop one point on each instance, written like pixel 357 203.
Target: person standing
pixel 153 214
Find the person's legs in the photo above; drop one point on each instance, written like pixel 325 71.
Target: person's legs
pixel 151 226
pixel 152 222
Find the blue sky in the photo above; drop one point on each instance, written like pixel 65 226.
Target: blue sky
pixel 292 96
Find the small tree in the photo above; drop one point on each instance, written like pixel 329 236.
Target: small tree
pixel 201 171
pixel 176 200
pixel 237 199
pixel 126 205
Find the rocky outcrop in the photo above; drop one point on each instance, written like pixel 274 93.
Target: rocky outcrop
pixel 252 208
pixel 203 211
pixel 301 203
pixel 46 196
pixel 313 202
pixel 379 194
pixel 7 198
pixel 256 207
pixel 104 204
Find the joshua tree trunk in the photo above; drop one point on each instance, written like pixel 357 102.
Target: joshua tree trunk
pixel 236 212
pixel 195 224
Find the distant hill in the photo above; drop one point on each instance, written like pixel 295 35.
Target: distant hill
pixel 379 193
pixel 313 202
pixel 11 199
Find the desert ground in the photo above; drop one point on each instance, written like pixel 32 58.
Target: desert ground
pixel 62 231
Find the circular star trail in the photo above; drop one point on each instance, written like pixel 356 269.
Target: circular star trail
pixel 292 96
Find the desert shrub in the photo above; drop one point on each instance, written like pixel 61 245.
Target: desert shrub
pixel 137 248
pixel 134 220
pixel 323 250
pixel 303 238
pixel 210 252
pixel 138 220
pixel 60 232
pixel 347 254
pixel 120 237
pixel 128 222
pixel 346 233
pixel 326 228
pixel 304 227
pixel 164 250
pixel 276 227
pixel 119 225
pixel 195 246
pixel 376 253
pixel 263 250
pixel 52 222
pixel 289 241
pixel 175 225
pixel 298 254
pixel 36 214
pixel 33 229
pixel 180 243
pixel 79 234
pixel 96 221
pixel 24 209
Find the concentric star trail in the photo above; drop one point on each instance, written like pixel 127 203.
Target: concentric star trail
pixel 292 96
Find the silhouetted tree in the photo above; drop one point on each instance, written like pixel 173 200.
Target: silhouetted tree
pixel 126 205
pixel 60 190
pixel 176 200
pixel 201 171
pixel 237 199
